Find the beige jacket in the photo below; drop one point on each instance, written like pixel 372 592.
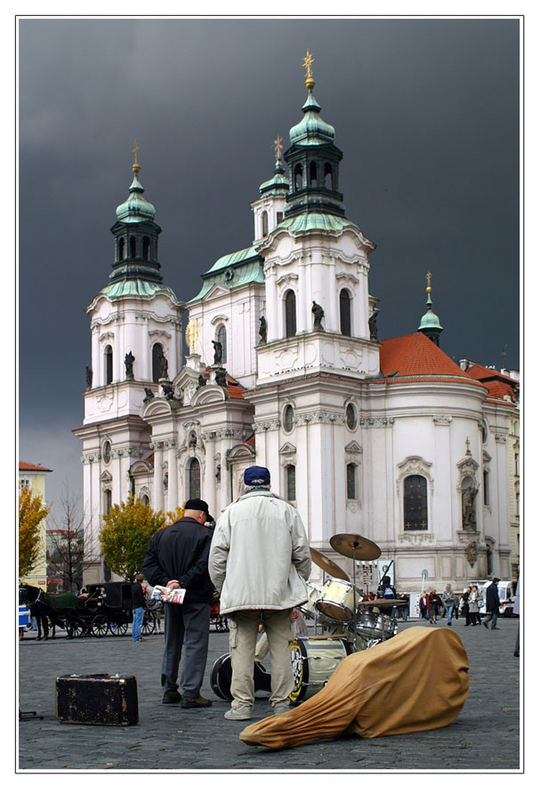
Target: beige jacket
pixel 259 556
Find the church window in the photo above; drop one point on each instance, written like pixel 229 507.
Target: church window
pixel 328 177
pixel 415 517
pixel 106 452
pixel 132 247
pixel 194 471
pixel 146 248
pixel 288 418
pixel 486 487
pixel 107 501
pixel 290 313
pixel 279 216
pixel 121 244
pixel 313 173
pixel 351 417
pixel 157 362
pixel 516 463
pixel 345 312
pixel 298 178
pixel 221 337
pixel 290 476
pixel 145 500
pixel 265 223
pixel 351 481
pixel 108 364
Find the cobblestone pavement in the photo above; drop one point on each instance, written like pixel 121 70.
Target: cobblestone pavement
pixel 484 737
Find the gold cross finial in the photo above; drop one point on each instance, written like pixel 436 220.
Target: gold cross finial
pixel 278 146
pixel 308 61
pixel 136 166
pixel 428 287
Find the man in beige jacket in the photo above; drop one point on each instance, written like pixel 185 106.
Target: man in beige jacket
pixel 259 562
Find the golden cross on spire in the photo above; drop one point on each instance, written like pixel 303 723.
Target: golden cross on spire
pixel 278 146
pixel 428 287
pixel 136 166
pixel 308 61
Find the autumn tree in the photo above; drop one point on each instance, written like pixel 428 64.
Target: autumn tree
pixel 125 534
pixel 32 510
pixel 65 542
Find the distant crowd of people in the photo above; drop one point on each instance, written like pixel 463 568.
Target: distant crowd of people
pixel 447 605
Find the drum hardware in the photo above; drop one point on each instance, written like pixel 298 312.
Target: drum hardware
pixel 356 547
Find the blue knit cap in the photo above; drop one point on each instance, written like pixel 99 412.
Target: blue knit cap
pixel 257 476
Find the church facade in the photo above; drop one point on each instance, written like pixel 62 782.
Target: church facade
pixel 388 439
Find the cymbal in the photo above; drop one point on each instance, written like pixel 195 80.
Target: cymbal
pixel 353 546
pixel 382 602
pixel 328 565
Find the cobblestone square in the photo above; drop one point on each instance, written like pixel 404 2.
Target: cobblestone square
pixel 485 736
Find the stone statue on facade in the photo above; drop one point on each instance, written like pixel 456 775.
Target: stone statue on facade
pixel 128 362
pixel 471 553
pixel 164 368
pixel 89 377
pixel 202 380
pixel 318 314
pixel 372 322
pixel 218 352
pixel 468 498
pixel 221 379
pixel 168 390
pixel 262 330
pixel 149 394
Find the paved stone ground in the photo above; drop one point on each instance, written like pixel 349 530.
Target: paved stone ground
pixel 484 737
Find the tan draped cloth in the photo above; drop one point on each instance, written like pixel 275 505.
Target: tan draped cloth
pixel 415 681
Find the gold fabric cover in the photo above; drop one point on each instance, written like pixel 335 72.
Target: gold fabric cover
pixel 415 681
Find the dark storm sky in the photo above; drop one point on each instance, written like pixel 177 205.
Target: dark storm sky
pixel 425 111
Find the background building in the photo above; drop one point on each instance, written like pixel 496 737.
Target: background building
pixel 34 476
pixel 390 439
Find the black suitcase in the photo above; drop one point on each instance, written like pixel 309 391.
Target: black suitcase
pixel 97 699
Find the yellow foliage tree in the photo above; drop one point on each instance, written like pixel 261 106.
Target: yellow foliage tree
pixel 174 516
pixel 32 510
pixel 125 534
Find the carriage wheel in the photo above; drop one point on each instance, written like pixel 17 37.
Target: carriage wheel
pixel 118 628
pixel 74 628
pixel 148 623
pixel 100 625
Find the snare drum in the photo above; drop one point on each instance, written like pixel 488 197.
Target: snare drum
pixel 367 623
pixel 314 592
pixel 337 599
pixel 313 662
pixel 386 626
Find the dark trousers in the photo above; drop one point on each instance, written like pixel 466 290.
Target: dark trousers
pixel 491 617
pixel 186 626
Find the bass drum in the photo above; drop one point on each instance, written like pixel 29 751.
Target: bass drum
pixel 314 592
pixel 337 599
pixel 313 661
pixel 221 676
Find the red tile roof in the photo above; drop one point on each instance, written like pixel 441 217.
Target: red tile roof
pixel 415 354
pixel 485 373
pixel 26 467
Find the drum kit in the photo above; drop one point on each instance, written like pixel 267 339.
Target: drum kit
pixel 348 623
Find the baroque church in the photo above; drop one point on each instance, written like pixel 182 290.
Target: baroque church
pixel 388 439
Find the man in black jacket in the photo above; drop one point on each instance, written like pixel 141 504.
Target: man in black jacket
pixel 177 556
pixel 492 604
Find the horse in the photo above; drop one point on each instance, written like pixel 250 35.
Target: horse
pixel 44 608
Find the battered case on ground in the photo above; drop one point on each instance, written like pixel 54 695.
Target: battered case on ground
pixel 98 699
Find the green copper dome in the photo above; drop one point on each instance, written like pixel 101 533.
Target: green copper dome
pixel 430 320
pixel 312 129
pixel 136 208
pixel 430 324
pixel 278 183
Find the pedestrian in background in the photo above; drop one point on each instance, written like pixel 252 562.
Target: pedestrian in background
pixel 138 605
pixel 434 603
pixel 259 562
pixel 465 607
pixel 449 601
pixel 423 605
pixel 517 608
pixel 474 605
pixel 492 605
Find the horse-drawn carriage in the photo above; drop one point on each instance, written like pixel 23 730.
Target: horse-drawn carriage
pixel 104 608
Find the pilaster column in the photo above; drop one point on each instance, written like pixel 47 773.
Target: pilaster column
pixel 209 483
pixel 172 494
pixel 158 476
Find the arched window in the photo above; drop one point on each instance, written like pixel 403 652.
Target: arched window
pixel 146 248
pixel 157 362
pixel 345 312
pixel 194 471
pixel 415 516
pixel 121 245
pixel 107 501
pixel 290 475
pixel 221 337
pixel 351 482
pixel 265 223
pixel 288 418
pixel 486 487
pixel 145 500
pixel 313 173
pixel 298 178
pixel 132 247
pixel 328 177
pixel 290 313
pixel 108 364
